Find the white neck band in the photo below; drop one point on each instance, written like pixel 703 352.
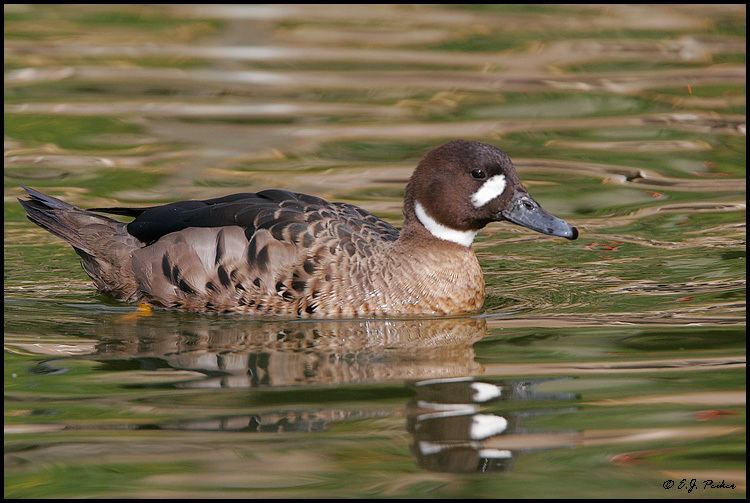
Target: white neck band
pixel 464 238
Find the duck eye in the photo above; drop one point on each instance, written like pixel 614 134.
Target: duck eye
pixel 478 174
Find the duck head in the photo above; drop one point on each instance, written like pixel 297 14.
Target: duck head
pixel 461 186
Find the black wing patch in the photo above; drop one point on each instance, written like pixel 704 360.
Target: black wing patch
pixel 287 215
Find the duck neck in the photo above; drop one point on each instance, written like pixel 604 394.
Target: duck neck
pixel 419 224
pixel 444 273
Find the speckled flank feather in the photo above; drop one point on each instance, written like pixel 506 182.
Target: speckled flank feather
pixel 317 260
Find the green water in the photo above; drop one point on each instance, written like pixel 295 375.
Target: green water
pixel 608 365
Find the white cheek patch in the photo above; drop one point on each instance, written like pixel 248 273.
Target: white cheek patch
pixel 489 190
pixel 487 425
pixel 464 238
pixel 484 391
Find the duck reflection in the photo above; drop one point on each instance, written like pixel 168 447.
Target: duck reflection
pixel 446 414
pixel 286 353
pixel 449 429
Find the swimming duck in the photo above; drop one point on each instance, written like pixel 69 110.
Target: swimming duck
pixel 277 252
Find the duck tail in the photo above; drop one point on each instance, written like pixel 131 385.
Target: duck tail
pixel 104 245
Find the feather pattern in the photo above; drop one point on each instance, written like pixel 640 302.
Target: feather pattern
pixel 274 252
pixel 283 253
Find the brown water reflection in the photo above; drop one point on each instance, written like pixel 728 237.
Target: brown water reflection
pixel 286 354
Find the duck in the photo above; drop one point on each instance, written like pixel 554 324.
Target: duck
pixel 282 253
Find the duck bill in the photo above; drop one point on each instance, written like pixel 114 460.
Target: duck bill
pixel 526 212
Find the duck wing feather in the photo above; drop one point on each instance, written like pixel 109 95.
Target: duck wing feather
pixel 268 251
pixel 248 210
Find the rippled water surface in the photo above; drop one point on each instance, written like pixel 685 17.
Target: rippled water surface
pixel 604 366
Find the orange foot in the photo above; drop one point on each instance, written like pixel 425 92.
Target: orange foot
pixel 141 310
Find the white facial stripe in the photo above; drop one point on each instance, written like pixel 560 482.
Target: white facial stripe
pixel 489 190
pixel 440 231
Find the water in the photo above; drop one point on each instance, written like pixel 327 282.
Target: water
pixel 600 367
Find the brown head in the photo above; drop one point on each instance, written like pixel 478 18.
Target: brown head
pixel 461 186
